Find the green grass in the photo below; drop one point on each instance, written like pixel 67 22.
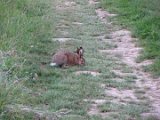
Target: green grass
pixel 23 24
pixel 142 17
pixel 27 32
pixel 127 110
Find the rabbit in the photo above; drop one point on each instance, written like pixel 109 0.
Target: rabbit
pixel 63 58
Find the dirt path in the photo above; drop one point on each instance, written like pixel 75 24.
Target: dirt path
pixel 128 52
pixel 112 86
pixel 146 88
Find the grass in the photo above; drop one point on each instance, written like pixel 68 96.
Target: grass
pixel 27 32
pixel 142 17
pixel 127 110
pixel 23 26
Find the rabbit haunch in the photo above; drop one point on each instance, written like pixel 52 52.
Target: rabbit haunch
pixel 62 58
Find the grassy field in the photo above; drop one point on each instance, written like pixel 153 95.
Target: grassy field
pixel 30 87
pixel 24 28
pixel 143 18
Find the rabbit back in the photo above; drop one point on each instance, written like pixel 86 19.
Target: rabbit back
pixel 59 58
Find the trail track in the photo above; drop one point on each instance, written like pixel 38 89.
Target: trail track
pixel 126 50
pixel 111 86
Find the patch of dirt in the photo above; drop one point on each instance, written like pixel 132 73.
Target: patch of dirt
pixel 125 46
pixel 121 95
pixel 61 39
pixel 96 101
pixel 128 51
pixel 93 2
pixel 122 74
pixel 103 85
pixel 104 14
pixel 77 23
pixel 150 116
pixel 145 63
pixel 69 3
pixel 94 110
pixel 38 112
pixel 93 73
pixel 65 5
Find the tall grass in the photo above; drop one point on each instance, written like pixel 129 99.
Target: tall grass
pixel 143 17
pixel 24 26
pixel 23 23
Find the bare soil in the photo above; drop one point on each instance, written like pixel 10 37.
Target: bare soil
pixel 128 51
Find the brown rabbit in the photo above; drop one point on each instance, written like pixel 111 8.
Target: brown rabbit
pixel 62 58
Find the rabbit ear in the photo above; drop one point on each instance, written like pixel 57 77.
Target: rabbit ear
pixel 81 50
pixel 81 47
